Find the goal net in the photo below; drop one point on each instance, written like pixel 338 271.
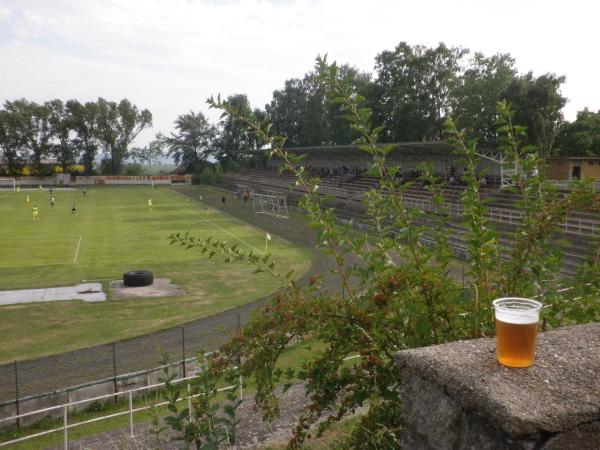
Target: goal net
pixel 273 205
pixel 243 190
pixel 9 183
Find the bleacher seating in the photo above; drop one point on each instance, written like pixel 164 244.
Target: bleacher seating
pixel 347 191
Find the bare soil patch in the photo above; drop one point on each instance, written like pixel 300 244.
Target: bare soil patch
pixel 162 287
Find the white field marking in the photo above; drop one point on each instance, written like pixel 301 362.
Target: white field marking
pixel 102 261
pixel 225 213
pixel 216 225
pixel 77 249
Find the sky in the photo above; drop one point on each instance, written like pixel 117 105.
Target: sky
pixel 171 55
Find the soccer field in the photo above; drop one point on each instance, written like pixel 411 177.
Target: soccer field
pixel 115 231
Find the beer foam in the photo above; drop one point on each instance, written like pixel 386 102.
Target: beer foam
pixel 523 317
pixel 519 311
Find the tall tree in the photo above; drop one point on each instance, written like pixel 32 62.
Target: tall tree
pixel 116 127
pixel 286 111
pixel 63 147
pixel 36 131
pixel 234 142
pixel 581 137
pixel 302 113
pixel 192 143
pixel 83 120
pixel 151 153
pixel 538 104
pixel 415 89
pixel 483 84
pixel 12 141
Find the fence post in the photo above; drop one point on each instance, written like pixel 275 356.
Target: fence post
pixel 66 430
pixel 183 350
pixel 17 393
pixel 115 387
pixel 239 358
pixel 131 414
pixel 189 398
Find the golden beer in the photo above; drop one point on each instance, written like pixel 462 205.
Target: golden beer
pixel 516 330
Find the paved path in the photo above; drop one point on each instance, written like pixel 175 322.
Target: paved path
pixel 88 292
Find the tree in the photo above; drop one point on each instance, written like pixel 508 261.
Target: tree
pixel 12 141
pixel 192 144
pixel 538 104
pixel 286 112
pixel 117 125
pixel 481 87
pixel 234 141
pixel 581 137
pixel 61 130
pixel 415 86
pixel 151 153
pixel 83 120
pixel 35 129
pixel 301 112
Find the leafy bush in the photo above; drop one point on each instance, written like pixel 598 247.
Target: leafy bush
pixel 397 292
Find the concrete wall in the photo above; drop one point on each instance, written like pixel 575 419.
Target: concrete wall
pixel 457 396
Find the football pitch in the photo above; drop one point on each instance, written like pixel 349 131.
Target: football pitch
pixel 115 231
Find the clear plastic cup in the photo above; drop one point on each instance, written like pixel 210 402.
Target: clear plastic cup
pixel 517 322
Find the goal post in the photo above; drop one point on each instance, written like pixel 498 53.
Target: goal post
pixel 10 183
pixel 270 204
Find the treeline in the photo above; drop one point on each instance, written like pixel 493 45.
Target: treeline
pixel 415 88
pixel 412 92
pixel 71 132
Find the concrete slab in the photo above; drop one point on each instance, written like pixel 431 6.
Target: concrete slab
pixel 88 292
pixel 162 287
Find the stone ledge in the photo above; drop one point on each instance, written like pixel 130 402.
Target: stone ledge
pixel 457 386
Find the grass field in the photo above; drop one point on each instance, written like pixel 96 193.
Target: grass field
pixel 113 232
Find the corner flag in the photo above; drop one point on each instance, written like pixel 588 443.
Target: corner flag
pixel 267 239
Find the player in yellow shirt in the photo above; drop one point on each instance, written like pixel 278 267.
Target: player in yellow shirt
pixel 27 199
pixel 150 204
pixel 36 214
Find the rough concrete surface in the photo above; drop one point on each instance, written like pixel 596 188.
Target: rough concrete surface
pixel 88 292
pixel 162 287
pixel 557 399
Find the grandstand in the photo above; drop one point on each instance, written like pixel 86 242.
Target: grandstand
pixel 341 172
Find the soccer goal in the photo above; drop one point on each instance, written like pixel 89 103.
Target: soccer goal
pixel 9 183
pixel 242 189
pixel 273 205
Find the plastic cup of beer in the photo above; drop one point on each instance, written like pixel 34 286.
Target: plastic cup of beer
pixel 516 330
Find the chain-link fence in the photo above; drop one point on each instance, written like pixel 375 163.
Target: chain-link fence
pixel 44 376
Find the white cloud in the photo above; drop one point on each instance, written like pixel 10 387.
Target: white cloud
pixel 170 55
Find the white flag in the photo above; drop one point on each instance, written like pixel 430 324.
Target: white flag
pixel 268 237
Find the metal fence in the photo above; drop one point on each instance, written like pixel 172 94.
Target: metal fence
pixel 39 380
pixel 129 394
pixel 505 215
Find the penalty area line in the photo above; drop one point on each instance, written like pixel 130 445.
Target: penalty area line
pixel 77 249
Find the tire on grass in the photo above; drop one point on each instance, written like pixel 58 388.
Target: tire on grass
pixel 136 278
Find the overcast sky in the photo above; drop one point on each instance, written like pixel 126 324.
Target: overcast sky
pixel 170 55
